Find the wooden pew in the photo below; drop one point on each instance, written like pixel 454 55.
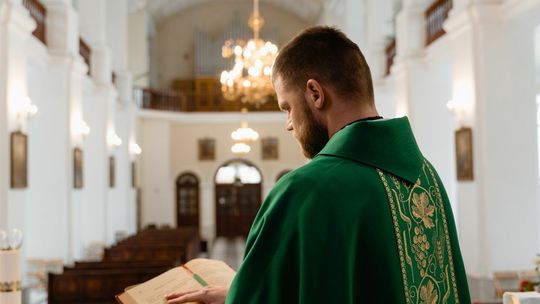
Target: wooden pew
pixel 96 285
pixel 131 261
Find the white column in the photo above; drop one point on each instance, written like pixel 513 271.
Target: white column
pixel 138 55
pixel 354 21
pixel 117 33
pixel 117 14
pixel 54 215
pixel 378 31
pixel 96 152
pixel 423 88
pixel 410 37
pixel 208 210
pixel 498 227
pixel 92 24
pixel 15 31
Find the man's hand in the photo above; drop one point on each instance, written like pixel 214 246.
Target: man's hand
pixel 207 295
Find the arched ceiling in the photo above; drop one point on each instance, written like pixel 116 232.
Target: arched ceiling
pixel 308 10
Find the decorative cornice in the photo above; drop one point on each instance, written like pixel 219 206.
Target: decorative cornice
pixel 212 117
pixel 308 10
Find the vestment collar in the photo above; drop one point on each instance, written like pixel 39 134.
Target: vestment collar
pixel 387 144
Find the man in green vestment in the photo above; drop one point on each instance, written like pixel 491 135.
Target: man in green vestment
pixel 367 220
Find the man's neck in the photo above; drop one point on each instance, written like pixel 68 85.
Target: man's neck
pixel 346 117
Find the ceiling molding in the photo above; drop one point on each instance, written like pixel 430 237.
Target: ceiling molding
pixel 307 10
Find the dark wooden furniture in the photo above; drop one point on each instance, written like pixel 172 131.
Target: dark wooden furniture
pixel 131 261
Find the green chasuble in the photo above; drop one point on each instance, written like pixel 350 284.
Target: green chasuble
pixel 366 221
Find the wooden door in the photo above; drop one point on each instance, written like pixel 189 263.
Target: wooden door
pixel 187 201
pixel 236 208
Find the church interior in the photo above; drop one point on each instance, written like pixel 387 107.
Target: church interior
pixel 127 133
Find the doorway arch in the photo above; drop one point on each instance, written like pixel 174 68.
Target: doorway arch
pixel 238 197
pixel 187 200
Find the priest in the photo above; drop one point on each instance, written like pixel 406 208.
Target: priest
pixel 367 220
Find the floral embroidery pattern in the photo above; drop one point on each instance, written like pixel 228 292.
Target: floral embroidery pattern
pixel 422 209
pixel 422 238
pixel 428 294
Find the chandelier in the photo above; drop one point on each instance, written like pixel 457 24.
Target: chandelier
pixel 242 137
pixel 249 79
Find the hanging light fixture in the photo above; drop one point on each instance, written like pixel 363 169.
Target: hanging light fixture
pixel 249 79
pixel 242 137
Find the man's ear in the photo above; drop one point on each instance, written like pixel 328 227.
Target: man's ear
pixel 314 93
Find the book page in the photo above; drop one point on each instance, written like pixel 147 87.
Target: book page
pixel 214 272
pixel 154 290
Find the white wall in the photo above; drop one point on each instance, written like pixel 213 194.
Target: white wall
pixel 170 142
pixel 156 185
pixel 138 56
pixel 48 232
pixel 57 220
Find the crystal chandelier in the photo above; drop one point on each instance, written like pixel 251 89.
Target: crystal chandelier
pixel 249 79
pixel 242 137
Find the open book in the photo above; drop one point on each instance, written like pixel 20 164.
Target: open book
pixel 193 275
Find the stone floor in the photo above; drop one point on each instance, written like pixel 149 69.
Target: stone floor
pixel 229 250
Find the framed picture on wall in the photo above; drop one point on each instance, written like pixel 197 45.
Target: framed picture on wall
pixel 464 154
pixel 78 181
pixel 207 149
pixel 19 160
pixel 269 148
pixel 112 171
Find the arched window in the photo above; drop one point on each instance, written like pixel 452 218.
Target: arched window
pixel 187 200
pixel 238 197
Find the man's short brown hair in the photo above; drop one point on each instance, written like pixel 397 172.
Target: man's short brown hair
pixel 328 56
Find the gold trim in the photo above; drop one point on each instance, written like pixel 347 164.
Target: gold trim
pixel 447 235
pixel 425 209
pixel 398 235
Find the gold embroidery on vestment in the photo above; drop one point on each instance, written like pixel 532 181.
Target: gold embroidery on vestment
pixel 424 249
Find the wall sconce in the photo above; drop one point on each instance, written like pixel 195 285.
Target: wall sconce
pixel 135 149
pixel 81 128
pixel 24 110
pixel 114 140
pixel 457 109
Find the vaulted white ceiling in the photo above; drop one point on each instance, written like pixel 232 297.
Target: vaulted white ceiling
pixel 308 10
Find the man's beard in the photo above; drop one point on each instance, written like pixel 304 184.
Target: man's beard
pixel 313 136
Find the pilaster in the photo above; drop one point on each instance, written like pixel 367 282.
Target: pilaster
pixel 16 27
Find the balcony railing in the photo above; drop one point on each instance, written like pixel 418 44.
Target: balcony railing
pixel 172 100
pixel 39 14
pixel 390 52
pixel 165 100
pixel 86 53
pixel 436 14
